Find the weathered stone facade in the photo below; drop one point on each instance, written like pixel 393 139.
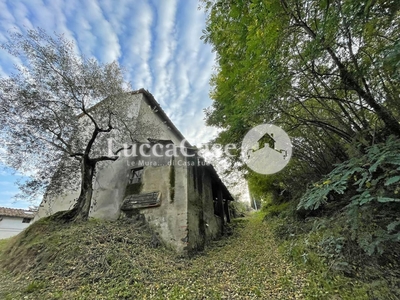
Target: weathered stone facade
pixel 181 197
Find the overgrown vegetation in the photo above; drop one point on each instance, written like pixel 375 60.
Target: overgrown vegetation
pixel 273 259
pixel 116 260
pixel 365 189
pixel 336 268
pixel 328 249
pixel 344 226
pixel 328 74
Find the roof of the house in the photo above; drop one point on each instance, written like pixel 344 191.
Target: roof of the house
pixel 225 192
pixel 156 107
pixel 16 212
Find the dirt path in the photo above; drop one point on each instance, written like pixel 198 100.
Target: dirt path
pixel 246 266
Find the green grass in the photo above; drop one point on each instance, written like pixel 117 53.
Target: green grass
pixel 332 273
pixel 3 244
pixel 115 260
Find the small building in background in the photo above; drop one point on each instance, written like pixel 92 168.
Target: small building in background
pixel 14 220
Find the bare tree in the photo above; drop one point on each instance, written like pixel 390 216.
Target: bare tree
pixel 50 125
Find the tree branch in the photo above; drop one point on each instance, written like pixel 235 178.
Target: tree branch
pixel 103 158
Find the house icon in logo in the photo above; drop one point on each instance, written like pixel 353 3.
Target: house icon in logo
pixel 266 149
pixel 267 140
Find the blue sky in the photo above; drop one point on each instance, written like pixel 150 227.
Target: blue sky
pixel 157 42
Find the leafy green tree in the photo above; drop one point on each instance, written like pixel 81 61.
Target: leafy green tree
pixel 316 56
pixel 323 70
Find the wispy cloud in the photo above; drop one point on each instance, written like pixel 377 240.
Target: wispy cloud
pixel 157 42
pixel 94 33
pixel 185 82
pixel 164 33
pixel 136 42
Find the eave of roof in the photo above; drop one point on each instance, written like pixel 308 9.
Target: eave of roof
pixel 16 212
pixel 225 190
pixel 153 102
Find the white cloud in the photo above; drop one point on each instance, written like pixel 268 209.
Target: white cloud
pixel 107 44
pixel 93 32
pixel 157 42
pixel 136 43
pixel 192 69
pixel 164 48
pixel 20 13
pixel 6 17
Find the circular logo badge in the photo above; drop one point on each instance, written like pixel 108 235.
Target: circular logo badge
pixel 266 149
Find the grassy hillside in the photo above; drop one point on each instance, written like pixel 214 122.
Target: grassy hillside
pixel 122 260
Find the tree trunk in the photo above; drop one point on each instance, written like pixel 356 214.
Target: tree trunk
pixel 351 81
pixel 80 211
pixel 82 205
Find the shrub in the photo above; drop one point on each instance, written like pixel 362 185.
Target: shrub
pixel 368 188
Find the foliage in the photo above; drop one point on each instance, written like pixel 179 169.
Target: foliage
pixel 283 186
pixel 271 210
pixel 263 187
pixel 264 47
pixel 335 267
pixel 368 186
pixel 375 177
pixel 325 72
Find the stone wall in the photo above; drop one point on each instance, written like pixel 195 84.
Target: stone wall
pixel 203 224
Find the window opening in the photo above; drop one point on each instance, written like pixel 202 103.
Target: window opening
pixel 136 175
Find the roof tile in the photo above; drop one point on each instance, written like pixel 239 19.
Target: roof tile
pixel 16 212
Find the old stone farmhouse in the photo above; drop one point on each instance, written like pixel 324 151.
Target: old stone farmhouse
pixel 180 196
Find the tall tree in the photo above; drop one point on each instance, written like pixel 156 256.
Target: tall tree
pixel 326 71
pixel 48 126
